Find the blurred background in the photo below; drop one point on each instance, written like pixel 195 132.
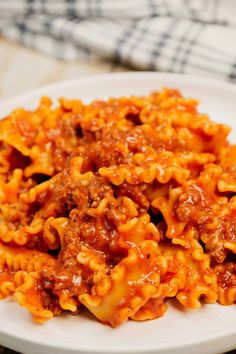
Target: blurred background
pixel 45 41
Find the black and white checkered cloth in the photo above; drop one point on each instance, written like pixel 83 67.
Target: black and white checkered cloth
pixel 185 36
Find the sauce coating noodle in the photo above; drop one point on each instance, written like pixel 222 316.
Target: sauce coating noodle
pixel 118 206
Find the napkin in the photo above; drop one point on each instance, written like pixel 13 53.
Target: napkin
pixel 181 36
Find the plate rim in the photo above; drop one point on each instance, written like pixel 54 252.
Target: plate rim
pixel 212 339
pixel 100 76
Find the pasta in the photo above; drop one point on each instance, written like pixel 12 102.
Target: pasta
pixel 118 206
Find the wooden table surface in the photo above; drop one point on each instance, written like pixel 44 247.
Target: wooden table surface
pixel 22 70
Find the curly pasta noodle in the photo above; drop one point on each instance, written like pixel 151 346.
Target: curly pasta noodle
pixel 118 206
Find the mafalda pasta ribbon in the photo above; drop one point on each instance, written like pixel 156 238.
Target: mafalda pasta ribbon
pixel 118 206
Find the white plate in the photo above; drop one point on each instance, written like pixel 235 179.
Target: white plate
pixel 212 329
